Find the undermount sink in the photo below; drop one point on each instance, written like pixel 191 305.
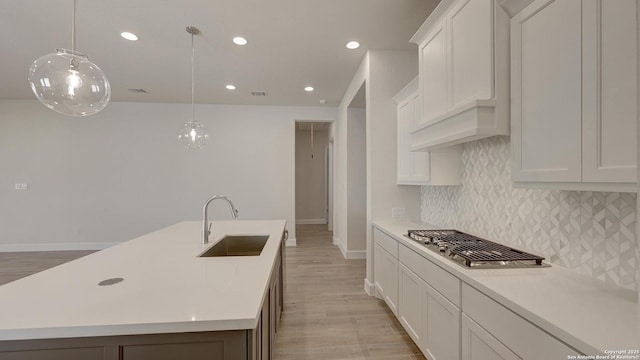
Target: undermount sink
pixel 237 245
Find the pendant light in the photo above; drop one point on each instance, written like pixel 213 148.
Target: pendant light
pixel 68 83
pixel 193 135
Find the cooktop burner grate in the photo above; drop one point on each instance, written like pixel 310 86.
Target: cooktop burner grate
pixel 472 251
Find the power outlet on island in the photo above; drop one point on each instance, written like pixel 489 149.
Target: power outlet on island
pixel 397 212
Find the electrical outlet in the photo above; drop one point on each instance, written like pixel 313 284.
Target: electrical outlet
pixel 397 212
pixel 22 186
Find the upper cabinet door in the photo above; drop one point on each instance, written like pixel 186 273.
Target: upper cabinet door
pixel 433 74
pixel 413 167
pixel 546 91
pixel 470 27
pixel 575 94
pixel 421 162
pixel 610 91
pixel 405 115
pixel 463 51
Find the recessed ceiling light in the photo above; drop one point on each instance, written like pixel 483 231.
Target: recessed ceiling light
pixel 230 87
pixel 239 40
pixel 129 36
pixel 352 45
pixel 308 89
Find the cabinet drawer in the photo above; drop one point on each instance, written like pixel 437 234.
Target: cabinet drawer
pixel 522 337
pixel 441 280
pixel 386 242
pixel 478 344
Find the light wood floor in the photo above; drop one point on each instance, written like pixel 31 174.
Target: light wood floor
pixel 327 313
pixel 16 265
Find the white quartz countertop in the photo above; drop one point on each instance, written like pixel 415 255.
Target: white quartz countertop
pixel 585 313
pixel 166 287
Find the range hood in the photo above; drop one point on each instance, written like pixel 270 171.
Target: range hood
pixel 472 121
pixel 463 74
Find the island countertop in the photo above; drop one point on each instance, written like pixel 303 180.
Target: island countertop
pixel 167 288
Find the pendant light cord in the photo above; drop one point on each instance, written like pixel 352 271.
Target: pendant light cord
pixel 73 28
pixel 193 86
pixel 312 140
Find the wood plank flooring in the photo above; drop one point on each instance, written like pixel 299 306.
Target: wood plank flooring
pixel 16 265
pixel 327 313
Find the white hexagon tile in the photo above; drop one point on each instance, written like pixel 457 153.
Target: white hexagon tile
pixel 593 233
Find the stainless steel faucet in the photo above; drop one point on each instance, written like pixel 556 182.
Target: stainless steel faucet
pixel 207 230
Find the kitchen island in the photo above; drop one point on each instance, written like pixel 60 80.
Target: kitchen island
pixel 170 302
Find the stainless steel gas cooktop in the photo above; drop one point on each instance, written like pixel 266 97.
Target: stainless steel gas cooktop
pixel 474 252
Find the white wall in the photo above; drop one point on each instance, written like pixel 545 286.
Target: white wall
pixel 121 173
pixel 340 150
pixel 384 73
pixel 311 198
pixel 390 71
pixel 357 181
pixel 638 202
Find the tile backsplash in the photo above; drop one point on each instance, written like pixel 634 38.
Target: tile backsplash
pixel 589 232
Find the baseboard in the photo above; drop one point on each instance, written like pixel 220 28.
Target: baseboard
pixel 336 241
pixel 352 254
pixel 55 247
pixel 356 254
pixel 369 288
pixel 291 242
pixel 311 221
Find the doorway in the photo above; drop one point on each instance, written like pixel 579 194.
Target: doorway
pixel 313 171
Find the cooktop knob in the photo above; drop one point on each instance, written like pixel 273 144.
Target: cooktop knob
pixel 442 247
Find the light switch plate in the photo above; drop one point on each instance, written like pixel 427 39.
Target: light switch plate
pixel 22 186
pixel 397 212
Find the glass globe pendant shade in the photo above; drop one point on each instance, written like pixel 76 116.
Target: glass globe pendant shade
pixel 193 135
pixel 68 83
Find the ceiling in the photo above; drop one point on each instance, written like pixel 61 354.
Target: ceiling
pixel 292 44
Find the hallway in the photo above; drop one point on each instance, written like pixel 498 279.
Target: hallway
pixel 327 314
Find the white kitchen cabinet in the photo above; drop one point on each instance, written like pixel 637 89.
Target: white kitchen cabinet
pixel 411 310
pixel 433 74
pixel 431 320
pixel 385 267
pixel 463 72
pixel 520 336
pixel 610 91
pixel 574 94
pixel 478 344
pixel 418 167
pixel 442 327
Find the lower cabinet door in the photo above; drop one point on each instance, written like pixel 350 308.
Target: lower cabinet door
pixel 385 272
pixel 378 269
pixel 391 282
pixel 411 309
pixel 266 329
pixel 478 344
pixel 442 327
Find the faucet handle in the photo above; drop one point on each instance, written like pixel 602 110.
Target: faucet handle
pixel 235 212
pixel 209 229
